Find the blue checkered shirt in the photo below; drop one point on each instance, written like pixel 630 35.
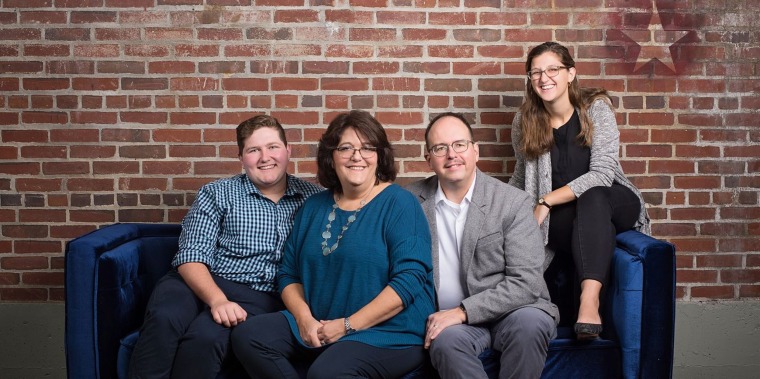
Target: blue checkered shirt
pixel 237 232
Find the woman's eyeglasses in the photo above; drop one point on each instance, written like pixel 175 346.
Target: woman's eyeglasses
pixel 347 151
pixel 550 71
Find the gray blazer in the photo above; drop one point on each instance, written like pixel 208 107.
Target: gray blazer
pixel 535 175
pixel 502 259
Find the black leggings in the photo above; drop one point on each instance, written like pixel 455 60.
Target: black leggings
pixel 582 235
pixel 267 348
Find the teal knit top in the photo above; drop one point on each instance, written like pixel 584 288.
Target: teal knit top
pixel 387 245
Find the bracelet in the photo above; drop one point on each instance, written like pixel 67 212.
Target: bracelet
pixel 347 325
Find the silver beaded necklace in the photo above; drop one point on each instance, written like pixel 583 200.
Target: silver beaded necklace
pixel 331 217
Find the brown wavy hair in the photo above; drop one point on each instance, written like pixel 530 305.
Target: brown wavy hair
pixel 537 136
pixel 369 128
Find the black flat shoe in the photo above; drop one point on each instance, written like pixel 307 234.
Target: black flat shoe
pixel 586 332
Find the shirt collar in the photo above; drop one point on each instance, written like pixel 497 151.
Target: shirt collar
pixel 440 196
pixel 292 186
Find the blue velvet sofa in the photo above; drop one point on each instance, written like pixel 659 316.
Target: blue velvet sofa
pixel 111 272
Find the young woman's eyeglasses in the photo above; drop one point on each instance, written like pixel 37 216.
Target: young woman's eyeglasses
pixel 347 151
pixel 550 71
pixel 442 149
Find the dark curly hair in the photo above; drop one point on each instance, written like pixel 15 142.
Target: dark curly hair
pixel 367 127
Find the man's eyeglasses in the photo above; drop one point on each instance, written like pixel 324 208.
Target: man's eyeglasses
pixel 347 151
pixel 550 71
pixel 442 149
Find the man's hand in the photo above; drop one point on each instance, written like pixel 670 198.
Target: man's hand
pixel 228 313
pixel 331 331
pixel 441 320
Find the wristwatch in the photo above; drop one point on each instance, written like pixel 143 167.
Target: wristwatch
pixel 543 202
pixel 347 325
pixel 461 306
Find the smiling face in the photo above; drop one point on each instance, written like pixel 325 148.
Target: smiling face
pixel 357 172
pixel 551 89
pixel 265 159
pixel 453 168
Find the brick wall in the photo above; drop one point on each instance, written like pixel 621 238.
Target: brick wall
pixel 119 110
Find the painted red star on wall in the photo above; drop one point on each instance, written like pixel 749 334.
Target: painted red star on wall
pixel 657 35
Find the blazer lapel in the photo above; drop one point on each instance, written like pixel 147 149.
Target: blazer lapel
pixel 428 207
pixel 476 217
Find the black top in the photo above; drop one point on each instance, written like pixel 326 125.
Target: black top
pixel 570 159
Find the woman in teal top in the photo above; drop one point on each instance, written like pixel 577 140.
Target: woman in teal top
pixel 356 275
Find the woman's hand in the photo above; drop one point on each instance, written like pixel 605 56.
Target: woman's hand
pixel 540 212
pixel 331 331
pixel 308 330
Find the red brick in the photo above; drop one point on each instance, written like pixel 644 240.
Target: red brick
pixel 692 214
pixel 92 216
pixel 674 135
pixel 500 85
pixel 696 276
pixel 694 245
pixel 80 184
pixel 448 85
pixel 177 135
pixel 86 151
pixel 32 117
pixel 325 67
pixel 452 18
pixel 115 167
pixel 141 215
pixel 375 67
pixel 423 34
pixel 396 84
pixel 660 151
pixel 65 168
pixel 20 168
pixel 192 118
pixel 43 278
pixel 748 213
pixel 217 168
pixel 721 167
pixel 290 84
pixel 344 84
pixel 9 278
pixel 143 184
pixel 166 168
pixel 23 294
pixel 749 291
pixel 671 167
pixel 38 185
pixel 476 68
pixel 456 51
pixel 173 67
pixel 740 276
pixel 24 263
pixel 714 261
pixel 742 151
pixel 713 292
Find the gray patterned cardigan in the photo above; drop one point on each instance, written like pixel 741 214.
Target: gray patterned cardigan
pixel 535 175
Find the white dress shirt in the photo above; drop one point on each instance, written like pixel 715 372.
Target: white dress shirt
pixel 450 219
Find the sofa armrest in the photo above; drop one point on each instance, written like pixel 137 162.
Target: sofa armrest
pixel 642 304
pixel 109 275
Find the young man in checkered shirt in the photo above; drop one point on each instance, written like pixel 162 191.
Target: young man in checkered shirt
pixel 229 251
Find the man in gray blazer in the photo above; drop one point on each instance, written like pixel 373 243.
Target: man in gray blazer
pixel 488 262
